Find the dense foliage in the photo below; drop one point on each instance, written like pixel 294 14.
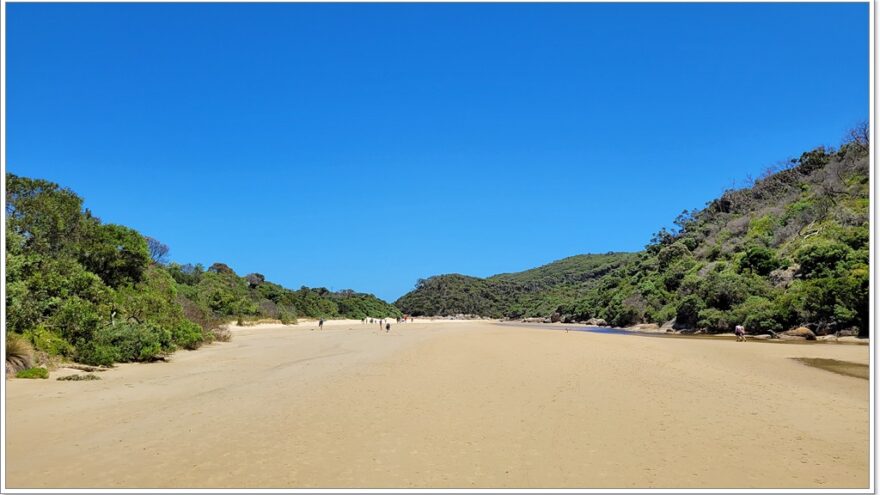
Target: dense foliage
pixel 102 293
pixel 535 292
pixel 789 250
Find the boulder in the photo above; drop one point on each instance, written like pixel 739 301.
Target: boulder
pixel 782 277
pixel 555 317
pixel 801 332
pixel 848 332
pixel 597 322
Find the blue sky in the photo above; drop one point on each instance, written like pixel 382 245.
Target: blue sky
pixel 366 146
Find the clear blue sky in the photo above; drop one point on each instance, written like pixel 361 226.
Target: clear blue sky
pixel 366 146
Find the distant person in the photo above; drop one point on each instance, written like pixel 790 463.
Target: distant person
pixel 321 324
pixel 740 332
pixel 387 327
pixel 398 319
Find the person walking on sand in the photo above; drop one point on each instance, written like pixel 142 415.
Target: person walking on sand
pixel 740 332
pixel 387 327
pixel 321 324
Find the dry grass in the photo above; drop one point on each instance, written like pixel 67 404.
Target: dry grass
pixel 19 354
pixel 78 378
pixel 221 334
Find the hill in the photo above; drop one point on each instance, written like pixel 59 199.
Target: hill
pixel 534 292
pixel 789 250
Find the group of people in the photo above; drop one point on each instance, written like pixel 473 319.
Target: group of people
pixel 382 323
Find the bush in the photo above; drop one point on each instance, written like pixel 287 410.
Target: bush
pixel 126 342
pixel 187 335
pixel 33 373
pixel 758 314
pixel 97 354
pixel 759 260
pixel 19 353
pixel 820 257
pixel 48 341
pixel 715 320
pixel 221 334
pixel 76 319
pixel 688 312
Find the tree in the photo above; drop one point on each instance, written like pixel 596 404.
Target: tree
pixel 117 254
pixel 158 250
pixel 47 216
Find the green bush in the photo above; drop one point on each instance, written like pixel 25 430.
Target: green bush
pixel 48 341
pixel 758 314
pixel 33 373
pixel 759 260
pixel 187 335
pixel 820 257
pixel 97 354
pixel 125 342
pixel 715 320
pixel 687 313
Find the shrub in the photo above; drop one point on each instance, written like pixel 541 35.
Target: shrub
pixel 187 335
pixel 48 341
pixel 688 311
pixel 758 314
pixel 715 320
pixel 19 353
pixel 221 334
pixel 820 257
pixel 97 354
pixel 76 319
pixel 33 373
pixel 126 342
pixel 759 260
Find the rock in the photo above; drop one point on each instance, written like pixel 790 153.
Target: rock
pixel 801 332
pixel 760 337
pixel 669 325
pixel 569 319
pixel 849 332
pixel 669 330
pixel 555 317
pixel 597 322
pixel 645 327
pixel 792 337
pixel 782 277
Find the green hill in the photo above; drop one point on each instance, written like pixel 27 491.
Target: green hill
pixel 789 250
pixel 534 292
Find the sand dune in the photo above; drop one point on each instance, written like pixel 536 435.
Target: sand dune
pixel 449 405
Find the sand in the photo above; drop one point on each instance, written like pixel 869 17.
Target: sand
pixel 466 405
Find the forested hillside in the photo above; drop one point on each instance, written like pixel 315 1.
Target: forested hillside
pixel 789 250
pixel 102 293
pixel 535 292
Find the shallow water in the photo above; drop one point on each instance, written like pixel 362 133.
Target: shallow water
pixel 620 331
pixel 836 366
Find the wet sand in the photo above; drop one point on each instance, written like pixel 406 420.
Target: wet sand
pixel 459 404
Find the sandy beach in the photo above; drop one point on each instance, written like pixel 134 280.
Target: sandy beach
pixel 449 404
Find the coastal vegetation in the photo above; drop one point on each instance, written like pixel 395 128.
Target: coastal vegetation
pixel 788 250
pixel 97 293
